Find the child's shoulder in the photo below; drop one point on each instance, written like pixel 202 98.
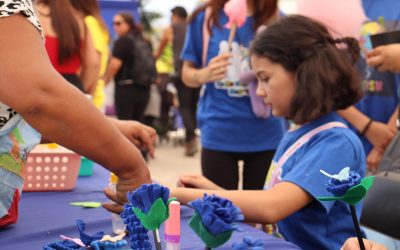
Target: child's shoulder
pixel 338 138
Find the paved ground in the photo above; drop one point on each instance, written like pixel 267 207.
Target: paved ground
pixel 170 162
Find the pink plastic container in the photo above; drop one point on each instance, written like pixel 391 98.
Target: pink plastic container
pixel 51 168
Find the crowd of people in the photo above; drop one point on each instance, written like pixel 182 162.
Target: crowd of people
pixel 56 52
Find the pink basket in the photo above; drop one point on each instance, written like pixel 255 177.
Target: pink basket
pixel 51 168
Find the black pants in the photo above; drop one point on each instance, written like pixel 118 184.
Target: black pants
pixel 74 80
pixel 222 168
pixel 188 99
pixel 131 101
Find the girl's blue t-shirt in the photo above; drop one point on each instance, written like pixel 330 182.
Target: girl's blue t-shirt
pixel 320 225
pixel 224 113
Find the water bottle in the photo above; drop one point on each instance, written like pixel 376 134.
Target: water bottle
pixel 118 225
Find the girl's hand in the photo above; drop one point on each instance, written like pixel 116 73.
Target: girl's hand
pixel 380 134
pixel 197 181
pixel 216 69
pixel 373 159
pixel 385 58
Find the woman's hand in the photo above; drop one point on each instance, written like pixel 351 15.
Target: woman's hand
pixel 373 159
pixel 385 58
pixel 119 197
pixel 380 134
pixel 142 136
pixel 216 68
pixel 352 244
pixel 197 181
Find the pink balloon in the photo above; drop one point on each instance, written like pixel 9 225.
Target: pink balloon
pixel 236 10
pixel 343 17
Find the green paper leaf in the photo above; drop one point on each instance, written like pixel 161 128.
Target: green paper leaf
pixel 158 213
pixel 210 240
pixel 86 204
pixel 354 194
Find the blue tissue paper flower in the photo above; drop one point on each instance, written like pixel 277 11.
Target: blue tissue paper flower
pixel 339 188
pixel 137 233
pixel 63 245
pixel 107 245
pixel 249 244
pixel 144 197
pixel 85 238
pixel 217 214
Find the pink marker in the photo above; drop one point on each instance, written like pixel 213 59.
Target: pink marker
pixel 172 228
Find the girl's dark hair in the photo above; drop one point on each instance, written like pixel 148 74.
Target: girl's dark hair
pixel 326 80
pixel 90 8
pixel 130 20
pixel 264 11
pixel 66 27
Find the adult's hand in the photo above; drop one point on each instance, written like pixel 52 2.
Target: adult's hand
pixel 125 185
pixel 144 137
pixel 352 244
pixel 385 58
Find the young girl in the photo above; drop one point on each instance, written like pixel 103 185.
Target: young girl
pixel 97 27
pixel 230 131
pixel 304 77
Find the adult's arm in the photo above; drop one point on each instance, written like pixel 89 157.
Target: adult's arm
pixel 31 86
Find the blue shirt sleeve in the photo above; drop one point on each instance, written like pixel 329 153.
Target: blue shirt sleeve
pixel 330 152
pixel 193 48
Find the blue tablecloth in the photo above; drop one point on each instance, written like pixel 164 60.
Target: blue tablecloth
pixel 44 216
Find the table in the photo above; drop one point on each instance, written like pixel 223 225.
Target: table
pixel 44 216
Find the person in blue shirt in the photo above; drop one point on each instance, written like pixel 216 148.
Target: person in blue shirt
pixel 387 57
pixel 374 117
pixel 230 131
pixel 304 77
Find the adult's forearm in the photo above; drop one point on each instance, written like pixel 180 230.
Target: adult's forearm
pixel 193 77
pixel 355 117
pixel 78 125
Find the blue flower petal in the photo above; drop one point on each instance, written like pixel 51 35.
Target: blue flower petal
pixel 249 244
pixel 217 214
pixel 63 245
pixel 339 188
pixel 85 238
pixel 144 197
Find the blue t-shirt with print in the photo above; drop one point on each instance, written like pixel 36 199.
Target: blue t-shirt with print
pixel 381 89
pixel 224 114
pixel 320 225
pixel 380 97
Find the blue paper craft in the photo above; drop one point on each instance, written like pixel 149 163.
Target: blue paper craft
pixel 107 245
pixel 348 186
pixel 63 245
pixel 213 220
pixel 217 214
pixel 249 244
pixel 339 188
pixel 69 244
pixel 144 197
pixel 137 233
pixel 85 238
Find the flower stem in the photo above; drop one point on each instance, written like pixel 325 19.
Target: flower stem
pixel 357 227
pixel 157 241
